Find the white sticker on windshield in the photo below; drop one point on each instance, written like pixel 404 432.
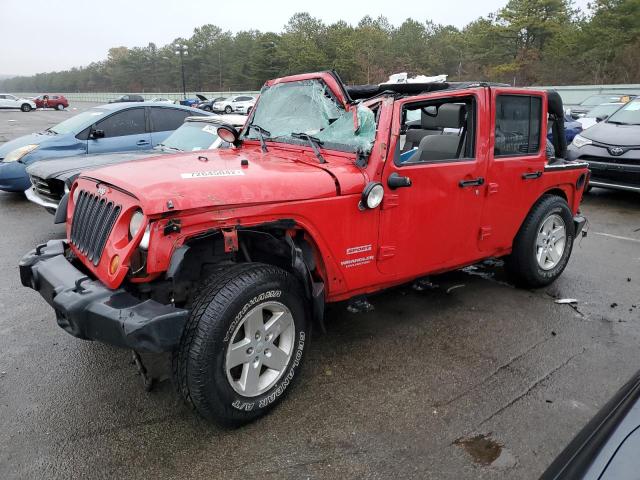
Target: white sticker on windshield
pixel 210 129
pixel 213 173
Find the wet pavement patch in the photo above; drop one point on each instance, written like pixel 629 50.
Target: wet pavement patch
pixel 483 449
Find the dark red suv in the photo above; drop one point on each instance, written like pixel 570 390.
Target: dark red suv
pixel 59 102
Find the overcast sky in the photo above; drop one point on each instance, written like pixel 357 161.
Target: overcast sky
pixel 44 35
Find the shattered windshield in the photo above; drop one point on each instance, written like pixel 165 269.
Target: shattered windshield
pixel 309 107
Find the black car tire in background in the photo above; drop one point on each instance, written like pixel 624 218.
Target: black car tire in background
pixel 25 107
pixel 60 107
pixel 228 109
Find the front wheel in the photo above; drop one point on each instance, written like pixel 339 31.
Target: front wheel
pixel 228 109
pixel 206 108
pixel 25 107
pixel 60 107
pixel 543 245
pixel 243 344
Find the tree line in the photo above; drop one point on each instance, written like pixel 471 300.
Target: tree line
pixel 527 42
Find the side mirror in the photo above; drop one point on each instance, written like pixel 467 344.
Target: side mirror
pixel 601 118
pixel 228 134
pixel 95 134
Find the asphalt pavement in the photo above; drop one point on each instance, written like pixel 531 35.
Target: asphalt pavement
pixel 478 381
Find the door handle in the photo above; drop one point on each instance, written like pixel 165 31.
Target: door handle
pixel 476 182
pixel 142 142
pixel 531 175
pixel 397 181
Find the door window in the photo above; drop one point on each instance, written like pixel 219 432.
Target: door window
pixel 518 123
pixel 439 130
pixel 164 119
pixel 127 122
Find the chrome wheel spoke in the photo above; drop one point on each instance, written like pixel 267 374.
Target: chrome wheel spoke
pixel 238 353
pixel 253 323
pixel 550 242
pixel 275 358
pixel 250 379
pixel 277 324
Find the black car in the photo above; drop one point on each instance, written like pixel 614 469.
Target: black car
pixel 127 98
pixel 612 148
pixel 608 447
pixel 594 100
pixel 208 104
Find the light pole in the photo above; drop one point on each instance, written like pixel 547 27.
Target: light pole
pixel 182 50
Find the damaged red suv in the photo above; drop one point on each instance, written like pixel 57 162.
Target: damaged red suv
pixel 225 258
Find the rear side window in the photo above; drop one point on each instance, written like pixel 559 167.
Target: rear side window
pixel 165 119
pixel 518 123
pixel 127 122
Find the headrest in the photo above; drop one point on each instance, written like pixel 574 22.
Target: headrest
pixel 451 115
pixel 428 122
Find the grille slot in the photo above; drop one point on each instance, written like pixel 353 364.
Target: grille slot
pixel 93 220
pixel 45 189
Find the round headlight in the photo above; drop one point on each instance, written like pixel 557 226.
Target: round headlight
pixel 372 195
pixel 136 222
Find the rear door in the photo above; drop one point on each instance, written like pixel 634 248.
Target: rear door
pixel 3 101
pixel 433 224
pixel 516 166
pixel 164 121
pixel 123 131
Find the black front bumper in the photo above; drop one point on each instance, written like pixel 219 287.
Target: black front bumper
pixel 87 309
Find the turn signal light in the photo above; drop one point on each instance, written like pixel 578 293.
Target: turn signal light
pixel 114 264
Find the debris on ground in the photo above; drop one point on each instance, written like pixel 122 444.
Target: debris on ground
pixel 450 289
pixel 564 301
pixel 614 305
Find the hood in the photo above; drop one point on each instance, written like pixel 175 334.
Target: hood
pixel 613 134
pixel 201 97
pixel 69 166
pixel 191 183
pixel 34 138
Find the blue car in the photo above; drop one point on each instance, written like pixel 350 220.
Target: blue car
pixel 116 127
pixel 571 129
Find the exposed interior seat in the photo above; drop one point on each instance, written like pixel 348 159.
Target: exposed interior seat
pixel 447 146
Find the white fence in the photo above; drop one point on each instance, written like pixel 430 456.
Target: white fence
pixel 571 94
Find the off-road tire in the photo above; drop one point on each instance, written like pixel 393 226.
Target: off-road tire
pixel 522 266
pixel 60 107
pixel 228 109
pixel 199 368
pixel 25 107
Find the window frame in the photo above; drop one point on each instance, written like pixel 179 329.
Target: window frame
pixel 542 134
pixel 472 132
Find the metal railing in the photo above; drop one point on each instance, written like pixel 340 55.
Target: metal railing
pixel 103 97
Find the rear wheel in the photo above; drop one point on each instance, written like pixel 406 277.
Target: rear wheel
pixel 243 344
pixel 543 245
pixel 25 107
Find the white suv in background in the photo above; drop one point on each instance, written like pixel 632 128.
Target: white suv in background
pixel 11 101
pixel 238 104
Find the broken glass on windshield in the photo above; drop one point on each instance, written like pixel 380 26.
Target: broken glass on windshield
pixel 309 107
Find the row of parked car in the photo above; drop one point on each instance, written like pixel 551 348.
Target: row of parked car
pixel 234 104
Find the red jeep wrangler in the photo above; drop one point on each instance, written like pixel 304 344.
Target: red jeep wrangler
pixel 226 257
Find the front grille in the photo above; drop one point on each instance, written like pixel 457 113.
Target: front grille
pixel 93 220
pixel 47 189
pixel 610 159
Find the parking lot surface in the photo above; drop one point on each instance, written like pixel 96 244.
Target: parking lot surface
pixel 469 379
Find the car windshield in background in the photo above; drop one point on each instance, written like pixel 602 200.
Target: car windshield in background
pixel 79 122
pixel 627 115
pixel 192 136
pixel 309 107
pixel 599 100
pixel 603 110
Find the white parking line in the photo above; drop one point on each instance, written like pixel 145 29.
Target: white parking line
pixel 617 237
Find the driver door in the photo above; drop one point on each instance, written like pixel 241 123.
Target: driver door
pixel 125 130
pixel 434 223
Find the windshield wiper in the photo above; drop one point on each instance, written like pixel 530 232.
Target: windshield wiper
pixel 618 123
pixel 261 134
pixel 314 142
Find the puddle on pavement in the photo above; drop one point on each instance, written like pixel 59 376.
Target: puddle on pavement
pixel 482 449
